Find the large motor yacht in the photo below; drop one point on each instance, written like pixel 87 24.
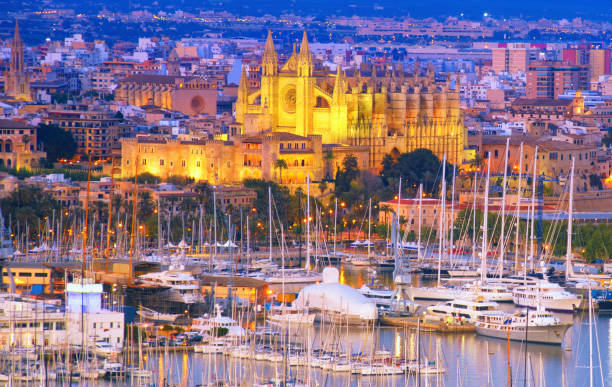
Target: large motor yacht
pixel 184 287
pixel 549 295
pixel 534 327
pixel 468 310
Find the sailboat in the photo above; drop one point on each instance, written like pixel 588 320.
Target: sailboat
pixel 300 275
pixel 438 292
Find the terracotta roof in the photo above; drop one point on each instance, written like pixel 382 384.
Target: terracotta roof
pixel 542 102
pixel 11 124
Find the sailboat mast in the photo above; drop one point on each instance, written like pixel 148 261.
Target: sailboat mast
pixel 533 192
pixel 485 225
pixel 335 224
pixel 369 225
pixel 159 229
pixel 397 235
pixel 110 217
pixel 570 219
pixel 307 222
pixel 452 218
pixel 420 222
pixel 270 219
pixel 134 199
pixel 215 222
pixel 519 184
pixel 502 236
pixel 83 256
pixel 442 225
pixel 474 220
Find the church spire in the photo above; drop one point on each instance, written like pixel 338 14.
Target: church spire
pixel 242 86
pixel 269 61
pixel 305 65
pixel 338 97
pixel 16 82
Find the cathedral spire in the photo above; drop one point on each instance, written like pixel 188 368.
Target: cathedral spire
pixel 269 61
pixel 338 97
pixel 242 86
pixel 305 65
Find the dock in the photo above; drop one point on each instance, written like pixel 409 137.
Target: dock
pixel 426 326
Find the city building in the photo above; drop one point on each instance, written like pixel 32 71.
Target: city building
pixel 95 128
pixel 18 145
pixel 385 111
pixel 17 81
pixel 189 95
pixel 512 59
pixel 409 210
pixel 549 79
pixel 226 162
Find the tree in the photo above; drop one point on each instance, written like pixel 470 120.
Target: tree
pixel 414 168
pixel 58 143
pixel 27 206
pixel 607 139
pixel 344 177
pixel 328 158
pixel 280 164
pixel 595 181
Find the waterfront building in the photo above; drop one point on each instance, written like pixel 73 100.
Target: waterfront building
pixel 29 277
pixel 16 81
pixel 87 320
pixel 26 322
pixel 384 109
pixel 409 209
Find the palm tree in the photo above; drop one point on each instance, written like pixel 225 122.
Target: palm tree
pixel 280 164
pixel 385 209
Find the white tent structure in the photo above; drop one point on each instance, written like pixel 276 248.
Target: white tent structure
pixel 336 298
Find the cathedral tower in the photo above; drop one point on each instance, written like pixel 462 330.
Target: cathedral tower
pixel 16 82
pixel 305 99
pixel 269 82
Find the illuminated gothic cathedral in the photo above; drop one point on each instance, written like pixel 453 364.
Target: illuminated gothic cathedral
pixel 381 112
pixel 16 82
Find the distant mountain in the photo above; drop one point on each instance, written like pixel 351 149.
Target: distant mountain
pixel 472 9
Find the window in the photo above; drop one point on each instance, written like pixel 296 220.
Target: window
pixel 25 274
pixel 281 146
pixel 302 162
pixel 182 163
pixel 161 162
pixel 197 163
pixel 59 326
pixel 41 275
pixel 144 161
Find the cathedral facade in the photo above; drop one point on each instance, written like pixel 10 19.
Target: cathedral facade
pixel 16 81
pixel 387 111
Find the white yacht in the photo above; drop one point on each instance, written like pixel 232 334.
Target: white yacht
pixel 293 276
pixel 380 296
pixel 490 291
pixel 207 324
pixel 438 293
pixel 289 315
pixel 549 295
pixel 542 326
pixel 184 287
pixel 468 310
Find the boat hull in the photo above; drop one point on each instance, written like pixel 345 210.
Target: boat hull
pixel 552 334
